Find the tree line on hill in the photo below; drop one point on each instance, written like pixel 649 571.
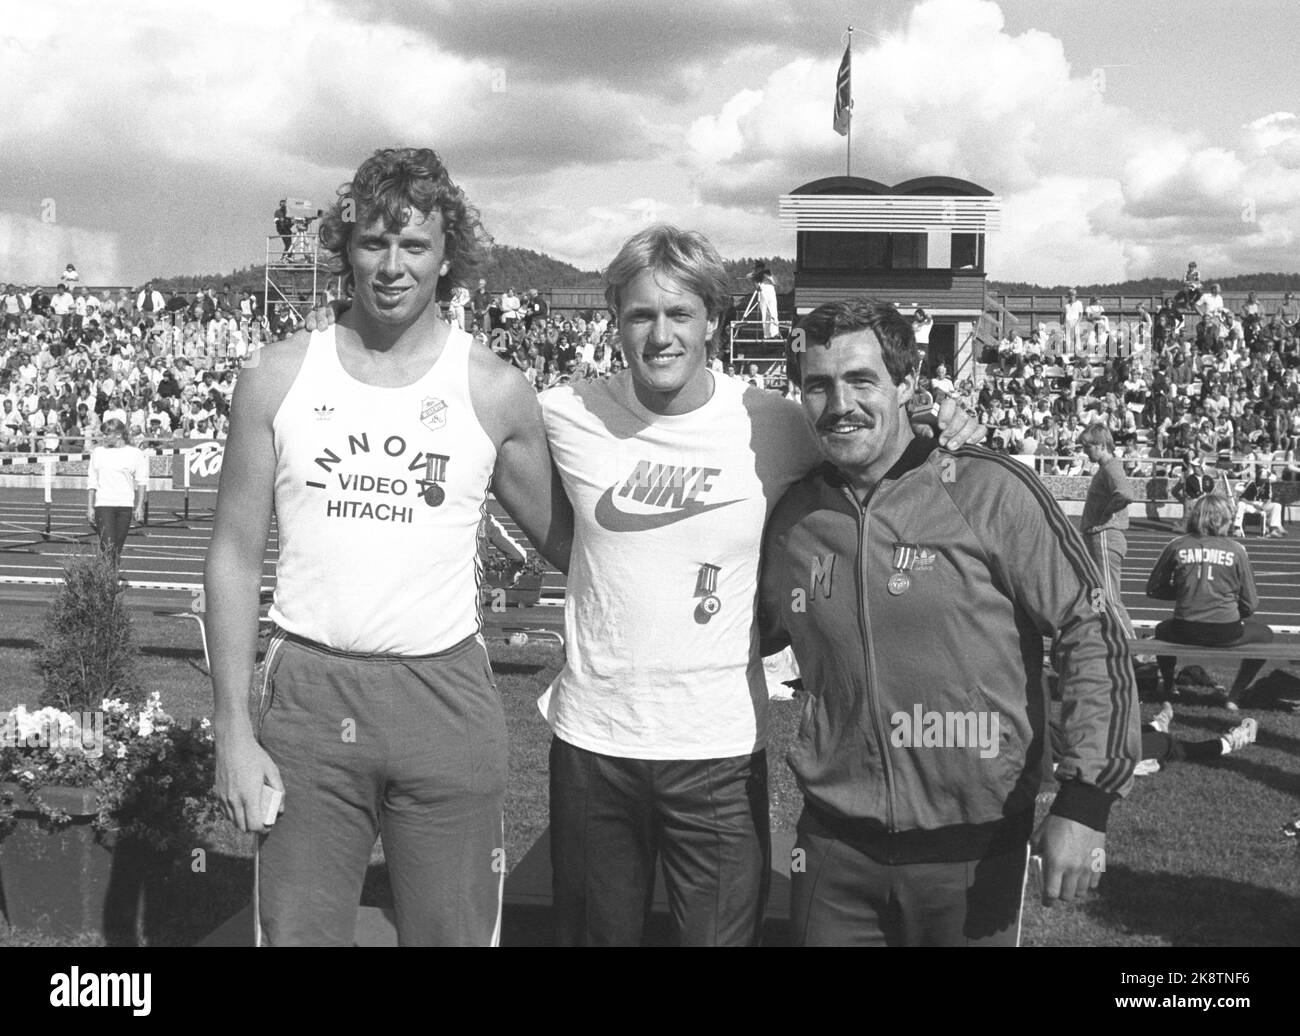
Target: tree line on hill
pixel 508 267
pixel 1155 285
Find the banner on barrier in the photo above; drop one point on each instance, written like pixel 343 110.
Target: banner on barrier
pixel 203 457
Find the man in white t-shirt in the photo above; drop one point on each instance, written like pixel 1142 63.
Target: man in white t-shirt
pixel 61 305
pixel 660 712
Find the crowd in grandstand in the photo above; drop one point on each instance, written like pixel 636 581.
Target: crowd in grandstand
pixel 1229 386
pixel 165 362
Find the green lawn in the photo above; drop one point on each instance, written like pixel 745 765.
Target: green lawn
pixel 1195 856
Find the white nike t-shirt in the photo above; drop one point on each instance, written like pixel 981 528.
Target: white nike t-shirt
pixel 662 655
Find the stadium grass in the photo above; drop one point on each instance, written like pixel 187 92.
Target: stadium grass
pixel 1195 856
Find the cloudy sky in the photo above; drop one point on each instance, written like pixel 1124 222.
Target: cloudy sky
pixel 141 137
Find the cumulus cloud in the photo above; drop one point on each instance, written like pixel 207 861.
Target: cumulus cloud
pixel 37 250
pixel 165 133
pixel 662 49
pixel 181 99
pixel 1091 189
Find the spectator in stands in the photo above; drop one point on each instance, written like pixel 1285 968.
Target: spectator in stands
pixel 1256 497
pixel 61 306
pixel 1210 581
pixel 537 310
pixel 1072 321
pixel 1191 286
pixel 70 275
pixel 456 307
pixel 511 308
pixel 12 308
pixel 1098 325
pixel 1212 309
pixel 1288 312
pixel 150 302
pixel 117 479
pixel 12 424
pixel 482 299
pixel 1194 482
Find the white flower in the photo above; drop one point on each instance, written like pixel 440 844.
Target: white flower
pixel 121 751
pixel 145 723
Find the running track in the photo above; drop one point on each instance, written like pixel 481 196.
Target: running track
pixel 166 557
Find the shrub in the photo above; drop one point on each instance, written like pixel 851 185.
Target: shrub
pixel 88 655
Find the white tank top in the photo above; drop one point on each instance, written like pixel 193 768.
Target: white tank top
pixel 378 494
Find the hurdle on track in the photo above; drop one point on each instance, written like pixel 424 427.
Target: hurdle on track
pixel 49 460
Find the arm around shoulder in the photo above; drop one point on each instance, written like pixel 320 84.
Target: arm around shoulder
pixel 525 479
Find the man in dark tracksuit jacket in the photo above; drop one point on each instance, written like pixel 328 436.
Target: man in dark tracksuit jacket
pixel 916 585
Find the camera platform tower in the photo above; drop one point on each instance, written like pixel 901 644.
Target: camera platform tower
pixel 295 280
pixel 757 338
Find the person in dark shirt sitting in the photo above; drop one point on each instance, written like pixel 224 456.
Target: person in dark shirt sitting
pixel 1210 581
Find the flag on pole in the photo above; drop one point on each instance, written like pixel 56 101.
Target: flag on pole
pixel 844 94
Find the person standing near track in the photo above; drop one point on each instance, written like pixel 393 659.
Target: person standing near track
pixel 375 441
pixel 117 480
pixel 1105 514
pixel 916 586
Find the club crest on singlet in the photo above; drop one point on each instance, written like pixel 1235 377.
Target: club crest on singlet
pixel 666 493
pixel 433 413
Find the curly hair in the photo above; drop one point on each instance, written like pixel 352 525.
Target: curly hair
pixel 390 185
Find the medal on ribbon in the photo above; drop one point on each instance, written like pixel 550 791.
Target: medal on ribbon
pixel 705 585
pixel 435 472
pixel 904 558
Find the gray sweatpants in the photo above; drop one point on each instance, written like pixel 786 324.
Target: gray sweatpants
pixel 410 748
pixel 1107 549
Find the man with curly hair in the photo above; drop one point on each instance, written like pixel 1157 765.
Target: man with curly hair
pixel 375 440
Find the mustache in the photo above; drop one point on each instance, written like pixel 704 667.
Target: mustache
pixel 828 423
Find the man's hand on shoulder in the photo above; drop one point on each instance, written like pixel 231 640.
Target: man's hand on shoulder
pixel 954 426
pixel 323 317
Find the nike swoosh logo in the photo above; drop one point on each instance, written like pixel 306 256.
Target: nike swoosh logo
pixel 609 517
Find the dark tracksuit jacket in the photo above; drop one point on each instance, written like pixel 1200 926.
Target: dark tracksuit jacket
pixel 992 567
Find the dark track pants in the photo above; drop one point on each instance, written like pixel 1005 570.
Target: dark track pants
pixel 840 896
pixel 113 523
pixel 611 818
pixel 410 748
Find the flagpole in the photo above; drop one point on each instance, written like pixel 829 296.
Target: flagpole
pixel 848 143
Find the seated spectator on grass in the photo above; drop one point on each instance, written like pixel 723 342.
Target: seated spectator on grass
pixel 1210 581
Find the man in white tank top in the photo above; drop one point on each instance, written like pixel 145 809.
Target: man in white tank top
pixel 375 442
